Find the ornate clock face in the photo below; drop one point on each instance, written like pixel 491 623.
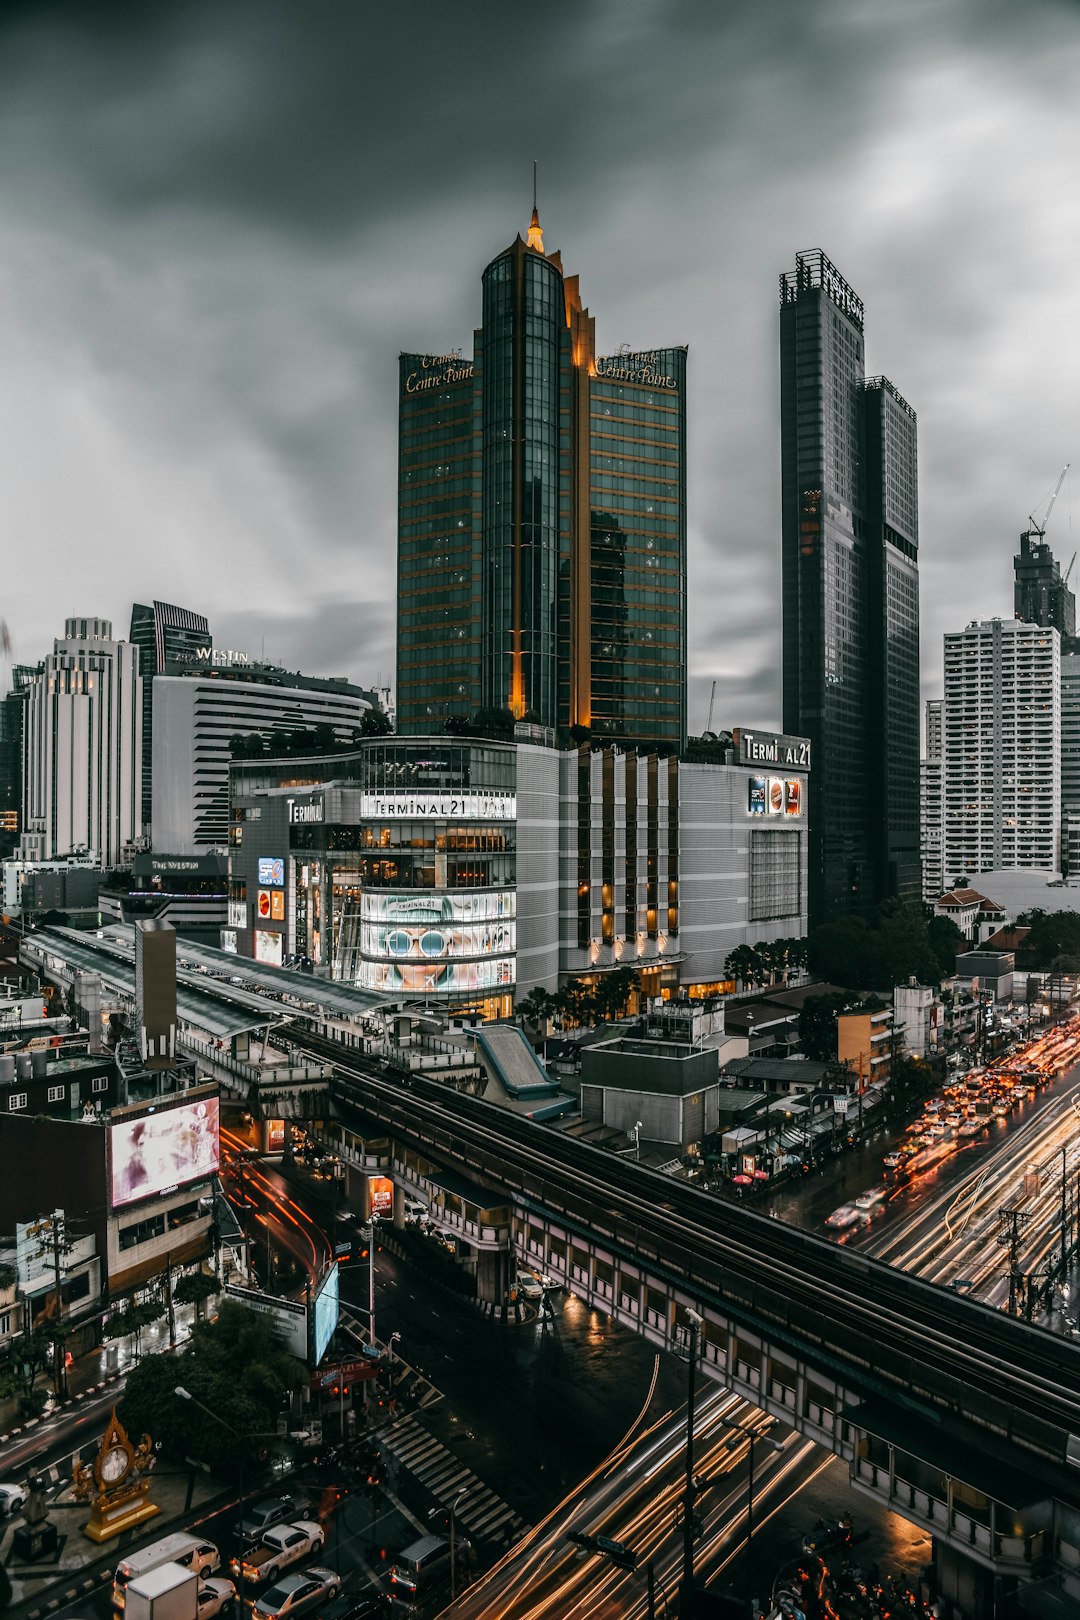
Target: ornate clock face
pixel 114 1465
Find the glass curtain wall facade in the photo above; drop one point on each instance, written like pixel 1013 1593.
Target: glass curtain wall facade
pixel 892 545
pixel 438 584
pixel 566 520
pixel 850 594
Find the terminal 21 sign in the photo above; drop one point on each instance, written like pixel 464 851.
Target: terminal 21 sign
pixel 772 748
pixel 438 806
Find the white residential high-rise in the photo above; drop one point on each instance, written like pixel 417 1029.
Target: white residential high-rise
pixel 82 747
pixel 1070 763
pixel 932 803
pixel 1002 748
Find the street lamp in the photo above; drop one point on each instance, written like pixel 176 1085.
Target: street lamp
pixel 452 1510
pixel 636 1134
pixel 186 1395
pixel 395 1338
pixel 753 1436
pixel 687 1600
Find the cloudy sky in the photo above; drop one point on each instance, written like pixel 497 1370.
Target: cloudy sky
pixel 221 221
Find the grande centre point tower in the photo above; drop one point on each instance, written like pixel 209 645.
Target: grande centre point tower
pixel 542 519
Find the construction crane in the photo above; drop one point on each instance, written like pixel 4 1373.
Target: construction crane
pixel 1069 570
pixel 1040 528
pixel 712 702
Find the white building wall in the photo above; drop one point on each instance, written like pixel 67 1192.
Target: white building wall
pixel 82 751
pixel 195 719
pixel 1002 748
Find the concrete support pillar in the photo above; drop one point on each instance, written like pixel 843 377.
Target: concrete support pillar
pixel 492 1275
pixel 966 1588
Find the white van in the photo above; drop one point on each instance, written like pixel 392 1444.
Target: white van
pixel 194 1552
pixel 415 1209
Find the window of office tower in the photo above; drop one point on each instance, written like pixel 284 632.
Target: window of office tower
pixel 638 500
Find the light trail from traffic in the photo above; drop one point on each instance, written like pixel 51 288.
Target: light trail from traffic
pixel 288 1221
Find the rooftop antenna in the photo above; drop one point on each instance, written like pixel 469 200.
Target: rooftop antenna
pixel 534 185
pixel 535 238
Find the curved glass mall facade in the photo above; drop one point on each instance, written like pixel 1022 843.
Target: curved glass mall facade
pixel 398 876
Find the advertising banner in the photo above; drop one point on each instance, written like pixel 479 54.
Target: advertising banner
pixel 158 1152
pixel 269 947
pixel 381 1189
pixel 237 913
pixel 793 796
pixel 482 905
pixel 275 1135
pixel 759 788
pixel 410 938
pixel 272 871
pixel 263 905
pixel 412 976
pixel 290 1318
pixel 228 941
pixel 324 1315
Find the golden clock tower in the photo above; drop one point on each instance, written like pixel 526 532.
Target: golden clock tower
pixel 115 1485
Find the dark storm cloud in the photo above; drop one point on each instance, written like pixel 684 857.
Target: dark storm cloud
pixel 218 225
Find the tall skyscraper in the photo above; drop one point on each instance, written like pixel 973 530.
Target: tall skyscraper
pixel 1002 754
pixel 1040 595
pixel 932 803
pixel 12 710
pixel 542 519
pixel 170 640
pixel 850 595
pixel 82 747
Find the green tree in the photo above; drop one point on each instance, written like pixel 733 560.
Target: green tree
pixel 817 1024
pixel 375 722
pixel 536 1007
pixel 906 951
pixel 194 1287
pixel 208 1367
pixel 946 942
pixel 847 952
pixel 1053 934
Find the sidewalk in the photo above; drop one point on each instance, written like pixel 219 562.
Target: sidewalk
pixel 107 1363
pixel 81 1566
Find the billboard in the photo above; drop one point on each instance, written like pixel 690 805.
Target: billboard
pixel 237 914
pixel 772 748
pixel 775 796
pixel 411 976
pixel 269 947
pixel 271 904
pixel 423 942
pixel 272 871
pixel 483 905
pixel 381 1190
pixel 324 1315
pixel 160 1151
pixel 289 1316
pixel 228 941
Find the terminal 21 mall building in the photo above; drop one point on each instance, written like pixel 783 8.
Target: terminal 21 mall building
pixel 472 872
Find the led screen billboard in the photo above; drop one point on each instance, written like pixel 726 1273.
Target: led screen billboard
pixel 156 1152
pixel 775 796
pixel 324 1316
pixel 410 975
pixel 482 905
pixel 271 871
pixel 269 947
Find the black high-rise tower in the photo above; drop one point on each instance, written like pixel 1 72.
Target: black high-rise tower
pixel 850 595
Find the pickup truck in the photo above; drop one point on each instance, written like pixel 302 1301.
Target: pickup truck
pixel 282 1545
pixel 259 1516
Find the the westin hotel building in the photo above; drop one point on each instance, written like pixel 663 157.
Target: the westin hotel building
pixel 542 520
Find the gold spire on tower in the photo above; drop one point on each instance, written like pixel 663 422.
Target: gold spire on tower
pixel 535 237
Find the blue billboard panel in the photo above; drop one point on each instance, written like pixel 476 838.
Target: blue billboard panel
pixel 324 1316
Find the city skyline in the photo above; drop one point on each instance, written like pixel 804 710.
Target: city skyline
pixel 214 251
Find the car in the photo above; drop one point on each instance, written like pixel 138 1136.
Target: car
pixel 845 1216
pixel 281 1545
pixel 871 1198
pixel 893 1161
pixel 297 1593
pixel 358 1606
pixel 12 1498
pixel 529 1285
pixel 270 1510
pixel 213 1597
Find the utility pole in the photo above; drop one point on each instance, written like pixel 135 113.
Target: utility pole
pixel 1064 1216
pixel 1011 1224
pixel 59 1351
pixel 687 1595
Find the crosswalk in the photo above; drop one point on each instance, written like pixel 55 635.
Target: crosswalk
pixel 480 1511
